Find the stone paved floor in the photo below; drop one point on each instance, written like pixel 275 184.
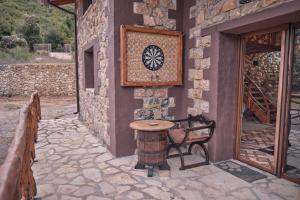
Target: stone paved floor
pixel 73 165
pixel 52 107
pixel 254 140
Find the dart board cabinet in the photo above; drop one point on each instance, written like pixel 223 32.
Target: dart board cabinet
pixel 150 57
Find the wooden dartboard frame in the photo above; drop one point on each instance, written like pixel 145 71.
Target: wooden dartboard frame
pixel 126 68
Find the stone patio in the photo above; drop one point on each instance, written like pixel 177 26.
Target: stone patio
pixel 72 165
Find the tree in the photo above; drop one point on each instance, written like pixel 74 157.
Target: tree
pixel 31 31
pixel 6 27
pixel 67 30
pixel 55 39
pixel 7 21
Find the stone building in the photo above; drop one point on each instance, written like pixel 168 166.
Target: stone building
pixel 212 32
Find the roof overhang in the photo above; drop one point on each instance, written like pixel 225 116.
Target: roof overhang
pixel 61 2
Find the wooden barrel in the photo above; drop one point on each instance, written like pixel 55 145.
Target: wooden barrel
pixel 152 147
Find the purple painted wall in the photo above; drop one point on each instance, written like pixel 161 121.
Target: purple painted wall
pixel 181 93
pixel 123 105
pixel 223 76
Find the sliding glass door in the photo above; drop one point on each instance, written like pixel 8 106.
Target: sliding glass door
pixel 262 59
pixel 268 114
pixel 291 140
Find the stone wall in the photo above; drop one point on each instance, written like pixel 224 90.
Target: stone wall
pixel 156 101
pixel 94 102
pixel 108 108
pixel 48 79
pixel 207 13
pixel 266 73
pixel 102 108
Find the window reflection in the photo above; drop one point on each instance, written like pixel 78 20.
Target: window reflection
pixel 261 81
pixel 292 166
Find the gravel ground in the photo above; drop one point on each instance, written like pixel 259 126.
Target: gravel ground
pixel 52 107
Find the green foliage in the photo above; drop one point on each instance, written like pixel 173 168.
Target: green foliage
pixel 21 42
pixel 295 103
pixel 11 41
pixel 6 26
pixel 31 31
pixel 13 12
pixel 20 54
pixel 14 30
pixel 55 39
pixel 67 30
pixel 8 42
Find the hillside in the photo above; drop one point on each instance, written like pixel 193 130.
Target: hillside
pixel 24 23
pixel 12 14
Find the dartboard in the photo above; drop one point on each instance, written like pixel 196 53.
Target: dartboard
pixel 153 57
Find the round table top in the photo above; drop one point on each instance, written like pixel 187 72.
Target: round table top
pixel 151 125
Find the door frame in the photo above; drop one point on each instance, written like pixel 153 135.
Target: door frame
pixel 281 87
pixel 288 84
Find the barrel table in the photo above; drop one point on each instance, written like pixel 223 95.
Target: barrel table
pixel 152 144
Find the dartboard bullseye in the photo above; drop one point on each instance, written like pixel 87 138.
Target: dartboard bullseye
pixel 153 57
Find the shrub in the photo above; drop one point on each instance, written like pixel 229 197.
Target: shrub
pixel 5 56
pixel 40 17
pixel 9 42
pixel 6 27
pixel 7 21
pixel 15 55
pixel 21 42
pixel 21 54
pixel 55 39
pixel 31 31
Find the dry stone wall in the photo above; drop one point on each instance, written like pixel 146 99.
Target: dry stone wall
pixel 156 100
pixel 94 103
pixel 207 13
pixel 48 79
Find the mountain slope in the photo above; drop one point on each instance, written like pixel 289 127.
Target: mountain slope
pixel 12 13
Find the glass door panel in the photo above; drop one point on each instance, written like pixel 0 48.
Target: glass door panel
pixel 292 157
pixel 261 67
